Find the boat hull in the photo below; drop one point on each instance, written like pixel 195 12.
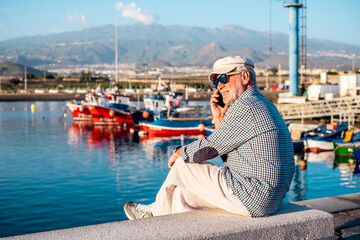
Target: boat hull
pixel 166 127
pixel 79 112
pixel 109 116
pixel 317 145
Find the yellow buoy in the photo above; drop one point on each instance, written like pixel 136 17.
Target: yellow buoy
pixel 33 107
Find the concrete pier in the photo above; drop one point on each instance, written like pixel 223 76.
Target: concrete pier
pixel 291 222
pixel 335 217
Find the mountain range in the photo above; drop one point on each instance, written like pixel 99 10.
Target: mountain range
pixel 174 45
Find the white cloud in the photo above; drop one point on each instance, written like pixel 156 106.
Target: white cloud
pixel 76 18
pixel 136 13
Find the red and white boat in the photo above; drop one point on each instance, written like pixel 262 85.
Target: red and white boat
pixel 176 126
pixel 79 111
pixel 103 109
pixel 109 116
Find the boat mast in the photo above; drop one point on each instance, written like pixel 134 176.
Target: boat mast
pixel 116 55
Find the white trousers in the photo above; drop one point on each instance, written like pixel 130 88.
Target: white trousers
pixel 191 187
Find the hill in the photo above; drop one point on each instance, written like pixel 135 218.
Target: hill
pixel 8 69
pixel 175 45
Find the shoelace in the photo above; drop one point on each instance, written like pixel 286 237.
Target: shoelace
pixel 143 209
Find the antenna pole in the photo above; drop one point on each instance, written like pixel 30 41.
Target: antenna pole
pixel 116 55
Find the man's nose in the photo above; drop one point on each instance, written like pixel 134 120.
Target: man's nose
pixel 220 86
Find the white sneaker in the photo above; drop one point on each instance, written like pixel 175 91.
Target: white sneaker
pixel 137 211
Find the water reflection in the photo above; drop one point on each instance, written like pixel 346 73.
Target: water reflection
pixel 160 148
pixel 320 166
pixel 298 185
pixel 349 168
pixel 156 149
pixel 102 137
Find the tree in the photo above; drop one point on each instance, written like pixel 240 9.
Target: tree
pixel 274 70
pixel 85 77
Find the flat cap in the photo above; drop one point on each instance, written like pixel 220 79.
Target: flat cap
pixel 229 64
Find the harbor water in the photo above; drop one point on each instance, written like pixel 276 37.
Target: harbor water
pixel 57 174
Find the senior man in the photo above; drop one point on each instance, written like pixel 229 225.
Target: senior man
pixel 252 140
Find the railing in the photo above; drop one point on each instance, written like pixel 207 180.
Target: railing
pixel 346 108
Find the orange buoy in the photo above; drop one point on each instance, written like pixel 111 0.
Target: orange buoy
pixel 111 113
pixel 178 103
pixel 303 164
pixel 201 127
pixel 145 114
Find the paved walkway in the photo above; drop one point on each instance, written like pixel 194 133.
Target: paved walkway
pixel 346 212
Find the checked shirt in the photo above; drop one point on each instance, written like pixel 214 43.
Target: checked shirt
pixel 256 146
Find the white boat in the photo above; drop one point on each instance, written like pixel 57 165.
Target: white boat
pixel 317 145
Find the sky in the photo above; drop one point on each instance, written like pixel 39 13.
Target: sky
pixel 336 20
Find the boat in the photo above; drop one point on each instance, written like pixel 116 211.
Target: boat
pixel 320 139
pixel 109 116
pixel 346 149
pixel 175 126
pixel 107 109
pixel 79 111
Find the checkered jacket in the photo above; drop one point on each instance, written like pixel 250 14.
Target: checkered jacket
pixel 256 146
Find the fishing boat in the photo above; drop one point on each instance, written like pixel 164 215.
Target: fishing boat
pixel 347 152
pixel 174 126
pixel 79 111
pixel 320 139
pixel 109 116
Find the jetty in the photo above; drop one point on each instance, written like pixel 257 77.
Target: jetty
pixel 325 218
pixel 344 109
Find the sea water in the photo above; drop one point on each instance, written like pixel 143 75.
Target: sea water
pixel 57 174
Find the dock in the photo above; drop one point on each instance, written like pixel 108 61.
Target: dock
pixel 335 217
pixel 344 109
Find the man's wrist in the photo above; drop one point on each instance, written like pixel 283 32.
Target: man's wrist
pixel 175 150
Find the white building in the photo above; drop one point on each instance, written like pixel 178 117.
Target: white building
pixel 349 85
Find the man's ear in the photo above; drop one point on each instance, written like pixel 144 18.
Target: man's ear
pixel 246 77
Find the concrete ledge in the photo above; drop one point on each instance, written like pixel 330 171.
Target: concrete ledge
pixel 291 222
pixel 333 204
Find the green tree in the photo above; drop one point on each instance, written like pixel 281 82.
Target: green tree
pixel 274 70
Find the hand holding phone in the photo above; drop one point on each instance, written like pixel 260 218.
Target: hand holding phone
pixel 220 100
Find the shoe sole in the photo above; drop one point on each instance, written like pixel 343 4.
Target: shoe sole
pixel 128 214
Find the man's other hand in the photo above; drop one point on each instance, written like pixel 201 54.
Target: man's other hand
pixel 172 160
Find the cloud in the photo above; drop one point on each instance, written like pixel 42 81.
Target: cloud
pixel 76 18
pixel 136 13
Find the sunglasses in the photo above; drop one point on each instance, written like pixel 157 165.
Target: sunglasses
pixel 223 78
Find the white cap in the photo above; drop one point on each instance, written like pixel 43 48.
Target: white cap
pixel 229 64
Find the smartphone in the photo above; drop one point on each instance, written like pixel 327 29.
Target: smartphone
pixel 220 100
